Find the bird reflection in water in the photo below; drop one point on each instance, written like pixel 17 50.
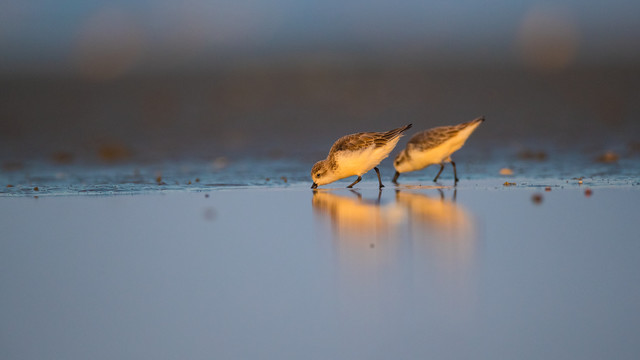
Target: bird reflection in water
pixel 440 226
pixel 444 233
pixel 356 218
pixel 434 213
pixel 364 234
pixel 413 212
pixel 415 241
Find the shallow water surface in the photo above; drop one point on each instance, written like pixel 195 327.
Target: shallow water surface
pixel 478 271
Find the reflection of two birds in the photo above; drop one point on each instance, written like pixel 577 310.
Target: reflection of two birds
pixel 363 218
pixel 411 236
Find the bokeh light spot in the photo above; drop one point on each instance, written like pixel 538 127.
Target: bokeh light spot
pixel 109 44
pixel 548 38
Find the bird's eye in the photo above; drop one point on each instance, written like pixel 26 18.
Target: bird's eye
pixel 317 175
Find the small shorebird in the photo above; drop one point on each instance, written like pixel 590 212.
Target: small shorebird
pixel 434 146
pixel 355 154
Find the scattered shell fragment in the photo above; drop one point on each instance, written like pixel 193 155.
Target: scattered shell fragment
pixel 284 178
pixel 509 184
pixel 536 198
pixel 12 165
pixel 580 182
pixel 114 152
pixel 608 157
pixel 588 192
pixel 36 189
pixel 532 155
pixel 506 171
pixel 548 188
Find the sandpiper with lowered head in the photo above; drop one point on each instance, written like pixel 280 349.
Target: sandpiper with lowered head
pixel 355 154
pixel 434 146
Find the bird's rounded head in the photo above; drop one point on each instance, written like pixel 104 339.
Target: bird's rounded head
pixel 401 162
pixel 321 174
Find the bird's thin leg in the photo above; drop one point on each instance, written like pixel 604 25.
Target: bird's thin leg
pixel 355 182
pixel 455 174
pixel 379 180
pixel 455 192
pixel 395 178
pixel 379 196
pixel 439 172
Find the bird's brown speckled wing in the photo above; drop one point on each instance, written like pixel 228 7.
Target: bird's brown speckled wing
pixel 363 140
pixel 433 137
pixel 354 142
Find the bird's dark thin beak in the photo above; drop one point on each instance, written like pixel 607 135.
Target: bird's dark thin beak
pixel 314 186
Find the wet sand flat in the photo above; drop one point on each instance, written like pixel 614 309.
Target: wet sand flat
pixel 483 271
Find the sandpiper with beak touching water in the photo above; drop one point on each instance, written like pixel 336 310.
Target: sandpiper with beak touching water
pixel 354 155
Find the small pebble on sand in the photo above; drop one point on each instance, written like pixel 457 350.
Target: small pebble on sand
pixel 532 155
pixel 506 171
pixel 608 157
pixel 114 152
pixel 588 192
pixel 536 198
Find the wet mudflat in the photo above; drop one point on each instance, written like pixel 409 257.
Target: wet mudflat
pixel 482 270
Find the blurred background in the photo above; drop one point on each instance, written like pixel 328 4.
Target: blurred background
pixel 141 79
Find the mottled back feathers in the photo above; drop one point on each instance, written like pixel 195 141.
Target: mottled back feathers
pixel 433 137
pixel 364 140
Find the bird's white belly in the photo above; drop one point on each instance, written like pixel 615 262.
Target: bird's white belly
pixel 359 162
pixel 437 155
pixel 419 159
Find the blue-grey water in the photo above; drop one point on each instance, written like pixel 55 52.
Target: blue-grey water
pixel 239 259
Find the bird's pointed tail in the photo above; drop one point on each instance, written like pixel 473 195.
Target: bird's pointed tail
pixel 477 120
pixel 392 134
